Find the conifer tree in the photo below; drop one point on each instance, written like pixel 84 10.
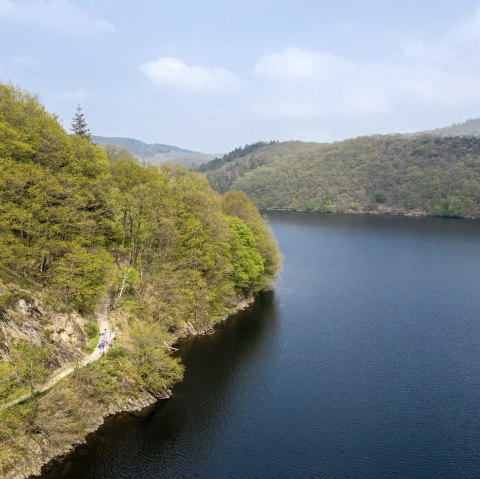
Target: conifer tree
pixel 79 125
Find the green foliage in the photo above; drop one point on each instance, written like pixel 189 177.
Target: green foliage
pixel 391 173
pixel 54 202
pixel 74 220
pixel 379 196
pixel 91 330
pixel 154 368
pixel 452 207
pixel 82 276
pixel 26 369
pixel 248 264
pixel 236 203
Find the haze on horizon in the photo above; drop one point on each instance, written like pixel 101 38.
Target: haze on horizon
pixel 213 75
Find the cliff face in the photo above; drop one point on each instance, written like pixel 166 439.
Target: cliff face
pixel 25 318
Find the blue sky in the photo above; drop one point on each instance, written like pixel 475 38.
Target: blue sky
pixel 213 75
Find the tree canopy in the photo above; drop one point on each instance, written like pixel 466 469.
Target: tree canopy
pixel 74 217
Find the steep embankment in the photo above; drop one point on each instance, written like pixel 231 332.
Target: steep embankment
pixel 422 175
pixel 76 224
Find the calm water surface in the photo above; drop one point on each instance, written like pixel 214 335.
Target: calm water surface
pixel 364 363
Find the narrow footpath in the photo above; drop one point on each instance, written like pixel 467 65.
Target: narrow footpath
pixel 102 317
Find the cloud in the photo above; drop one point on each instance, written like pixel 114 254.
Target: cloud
pixel 54 15
pixel 168 71
pixel 299 83
pixel 297 64
pixel 420 79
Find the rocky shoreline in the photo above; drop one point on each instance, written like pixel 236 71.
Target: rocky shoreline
pixel 39 458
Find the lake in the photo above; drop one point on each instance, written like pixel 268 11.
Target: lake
pixel 364 363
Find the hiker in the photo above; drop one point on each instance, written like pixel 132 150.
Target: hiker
pixel 101 346
pixel 112 337
pixel 105 335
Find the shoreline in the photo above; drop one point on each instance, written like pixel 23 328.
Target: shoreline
pixel 134 404
pixel 376 212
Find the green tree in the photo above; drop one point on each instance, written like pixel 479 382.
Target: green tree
pixel 237 203
pixel 247 262
pixel 25 369
pixel 82 276
pixel 379 196
pixel 155 369
pixel 79 124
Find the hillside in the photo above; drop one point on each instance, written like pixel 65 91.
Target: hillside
pixel 237 153
pixel 80 231
pixel 422 175
pixel 155 153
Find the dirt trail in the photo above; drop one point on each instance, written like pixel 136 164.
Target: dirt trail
pixel 102 317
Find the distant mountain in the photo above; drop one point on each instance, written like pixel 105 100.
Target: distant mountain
pixel 385 174
pixel 467 128
pixel 156 153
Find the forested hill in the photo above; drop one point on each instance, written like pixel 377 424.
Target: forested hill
pixel 78 226
pixel 233 155
pixel 155 153
pixel 421 175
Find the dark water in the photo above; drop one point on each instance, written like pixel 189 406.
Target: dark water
pixel 365 363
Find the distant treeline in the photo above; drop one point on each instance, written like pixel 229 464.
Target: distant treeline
pixel 392 174
pixel 233 155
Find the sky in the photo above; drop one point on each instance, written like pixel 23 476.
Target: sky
pixel 212 75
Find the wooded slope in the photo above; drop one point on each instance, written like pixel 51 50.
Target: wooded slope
pixel 387 174
pixel 78 224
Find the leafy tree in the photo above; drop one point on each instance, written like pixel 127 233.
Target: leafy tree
pixel 379 196
pixel 247 262
pixel 452 207
pixel 236 203
pixel 83 276
pixel 154 368
pixel 26 369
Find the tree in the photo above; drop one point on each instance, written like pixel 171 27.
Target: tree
pixel 79 125
pixel 26 369
pixel 155 369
